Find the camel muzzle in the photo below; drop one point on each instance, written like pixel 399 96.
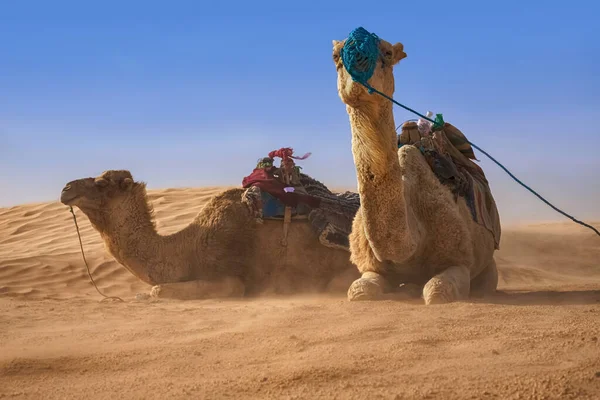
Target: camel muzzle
pixel 66 196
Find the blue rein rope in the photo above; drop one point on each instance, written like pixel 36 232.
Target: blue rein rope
pixel 360 55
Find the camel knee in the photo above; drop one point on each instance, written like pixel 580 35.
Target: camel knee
pixel 371 286
pixel 451 285
pixel 409 151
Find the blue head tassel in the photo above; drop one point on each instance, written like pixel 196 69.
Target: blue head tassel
pixel 360 54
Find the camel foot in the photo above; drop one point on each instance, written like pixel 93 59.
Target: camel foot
pixel 195 290
pixel 158 292
pixel 451 285
pixel 371 286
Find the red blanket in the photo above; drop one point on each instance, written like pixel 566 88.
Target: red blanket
pixel 263 178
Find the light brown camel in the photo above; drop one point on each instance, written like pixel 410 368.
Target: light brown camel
pixel 223 252
pixel 409 228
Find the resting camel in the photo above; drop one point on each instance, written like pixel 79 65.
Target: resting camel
pixel 224 252
pixel 410 229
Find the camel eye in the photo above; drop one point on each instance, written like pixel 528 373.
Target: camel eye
pixel 336 57
pixel 101 183
pixel 388 53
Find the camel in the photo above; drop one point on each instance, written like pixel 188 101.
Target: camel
pixel 409 228
pixel 223 252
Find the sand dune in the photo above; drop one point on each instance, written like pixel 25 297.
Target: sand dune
pixel 539 338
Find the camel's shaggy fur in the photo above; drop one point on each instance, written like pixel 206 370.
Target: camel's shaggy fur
pixel 409 229
pixel 223 252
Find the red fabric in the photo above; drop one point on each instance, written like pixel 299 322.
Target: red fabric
pixel 263 178
pixel 287 152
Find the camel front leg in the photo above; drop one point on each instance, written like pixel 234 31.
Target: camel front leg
pixel 371 286
pixel 200 289
pixel 451 285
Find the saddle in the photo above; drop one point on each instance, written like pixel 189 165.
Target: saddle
pixel 284 193
pixel 449 154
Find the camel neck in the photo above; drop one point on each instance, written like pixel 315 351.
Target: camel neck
pixel 374 143
pixel 134 242
pixel 382 198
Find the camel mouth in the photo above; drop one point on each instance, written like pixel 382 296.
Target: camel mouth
pixel 352 92
pixel 67 197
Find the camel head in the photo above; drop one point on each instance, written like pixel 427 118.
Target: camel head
pixel 104 193
pixel 353 93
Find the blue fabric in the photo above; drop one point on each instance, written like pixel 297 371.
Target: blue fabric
pixel 271 206
pixel 274 208
pixel 360 54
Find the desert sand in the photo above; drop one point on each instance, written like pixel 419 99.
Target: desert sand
pixel 538 338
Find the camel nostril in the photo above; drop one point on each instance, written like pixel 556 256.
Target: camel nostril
pixel 68 187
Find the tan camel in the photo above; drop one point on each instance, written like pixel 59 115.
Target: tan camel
pixel 409 228
pixel 223 252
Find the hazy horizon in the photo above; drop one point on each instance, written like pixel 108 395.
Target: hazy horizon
pixel 192 94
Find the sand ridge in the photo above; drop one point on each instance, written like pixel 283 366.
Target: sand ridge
pixel 539 338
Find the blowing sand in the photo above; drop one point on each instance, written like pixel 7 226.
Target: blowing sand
pixel 539 338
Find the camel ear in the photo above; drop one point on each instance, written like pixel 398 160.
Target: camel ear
pixel 337 49
pixel 399 53
pixel 338 44
pixel 126 183
pixel 101 182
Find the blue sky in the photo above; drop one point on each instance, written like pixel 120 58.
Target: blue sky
pixel 187 93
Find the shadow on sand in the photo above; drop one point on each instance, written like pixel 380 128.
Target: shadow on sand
pixel 545 297
pixel 516 297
